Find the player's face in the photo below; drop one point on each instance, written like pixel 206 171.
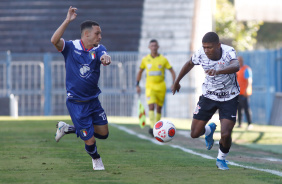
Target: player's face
pixel 95 35
pixel 212 50
pixel 154 47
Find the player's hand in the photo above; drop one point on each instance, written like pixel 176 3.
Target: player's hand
pixel 71 14
pixel 138 89
pixel 106 59
pixel 211 72
pixel 175 87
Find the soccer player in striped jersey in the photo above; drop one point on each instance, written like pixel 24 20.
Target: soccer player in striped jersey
pixel 220 92
pixel 155 65
pixel 83 58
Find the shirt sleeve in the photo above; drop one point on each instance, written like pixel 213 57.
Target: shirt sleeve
pixel 142 65
pixel 231 55
pixel 167 64
pixel 196 58
pixel 102 51
pixel 66 48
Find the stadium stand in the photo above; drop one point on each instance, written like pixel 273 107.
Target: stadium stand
pixel 170 22
pixel 30 24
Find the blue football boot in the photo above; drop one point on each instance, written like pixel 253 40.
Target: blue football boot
pixel 221 164
pixel 209 139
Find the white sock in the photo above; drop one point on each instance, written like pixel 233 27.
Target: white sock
pixel 221 155
pixel 208 130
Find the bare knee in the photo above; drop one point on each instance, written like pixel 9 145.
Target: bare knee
pixel 225 136
pixel 99 136
pixel 194 135
pixel 90 141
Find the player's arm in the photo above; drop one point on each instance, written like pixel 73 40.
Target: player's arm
pixel 172 74
pixel 138 78
pixel 233 67
pixel 106 59
pixel 185 69
pixel 56 39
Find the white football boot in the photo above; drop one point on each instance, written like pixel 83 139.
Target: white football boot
pixel 98 164
pixel 62 128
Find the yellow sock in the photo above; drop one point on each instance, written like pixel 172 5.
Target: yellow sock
pixel 158 116
pixel 152 118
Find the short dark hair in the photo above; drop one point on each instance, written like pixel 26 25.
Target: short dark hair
pixel 87 24
pixel 210 37
pixel 153 40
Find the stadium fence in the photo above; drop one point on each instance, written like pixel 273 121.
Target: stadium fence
pixel 38 81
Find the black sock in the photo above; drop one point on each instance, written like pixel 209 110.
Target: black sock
pixel 223 149
pixel 92 150
pixel 71 129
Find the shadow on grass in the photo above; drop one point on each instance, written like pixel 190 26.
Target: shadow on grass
pixel 243 133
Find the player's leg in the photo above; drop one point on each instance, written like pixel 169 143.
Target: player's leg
pixel 224 143
pixel 202 114
pixel 227 116
pixel 198 128
pixel 91 149
pixel 62 129
pixel 87 135
pixel 159 113
pixel 81 115
pixel 151 100
pixel 160 97
pixel 240 106
pixel 101 131
pixel 247 112
pixel 151 117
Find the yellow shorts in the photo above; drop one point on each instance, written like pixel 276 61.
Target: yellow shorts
pixel 155 93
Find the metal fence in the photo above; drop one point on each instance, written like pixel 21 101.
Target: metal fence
pixel 38 80
pixel 266 77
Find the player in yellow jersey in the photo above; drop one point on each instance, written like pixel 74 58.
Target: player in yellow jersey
pixel 155 65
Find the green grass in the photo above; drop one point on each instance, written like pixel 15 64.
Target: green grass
pixel 29 154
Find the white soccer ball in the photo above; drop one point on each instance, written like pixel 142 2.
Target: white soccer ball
pixel 164 130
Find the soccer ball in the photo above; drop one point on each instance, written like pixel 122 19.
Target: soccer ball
pixel 164 130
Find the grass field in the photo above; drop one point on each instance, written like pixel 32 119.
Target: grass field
pixel 29 154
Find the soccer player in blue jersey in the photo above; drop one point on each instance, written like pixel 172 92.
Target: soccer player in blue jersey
pixel 83 58
pixel 220 92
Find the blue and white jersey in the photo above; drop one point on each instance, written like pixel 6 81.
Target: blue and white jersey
pixel 222 87
pixel 82 70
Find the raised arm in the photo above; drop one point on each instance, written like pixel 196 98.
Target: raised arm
pixel 56 39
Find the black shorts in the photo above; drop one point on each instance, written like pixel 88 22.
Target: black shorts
pixel 206 108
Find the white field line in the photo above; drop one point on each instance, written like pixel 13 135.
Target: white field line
pixel 191 151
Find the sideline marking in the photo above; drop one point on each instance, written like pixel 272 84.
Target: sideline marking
pixel 191 151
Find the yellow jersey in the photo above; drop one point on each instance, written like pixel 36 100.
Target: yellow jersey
pixel 155 68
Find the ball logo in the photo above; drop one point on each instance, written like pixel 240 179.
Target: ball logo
pixel 159 125
pixel 171 132
pixel 162 133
